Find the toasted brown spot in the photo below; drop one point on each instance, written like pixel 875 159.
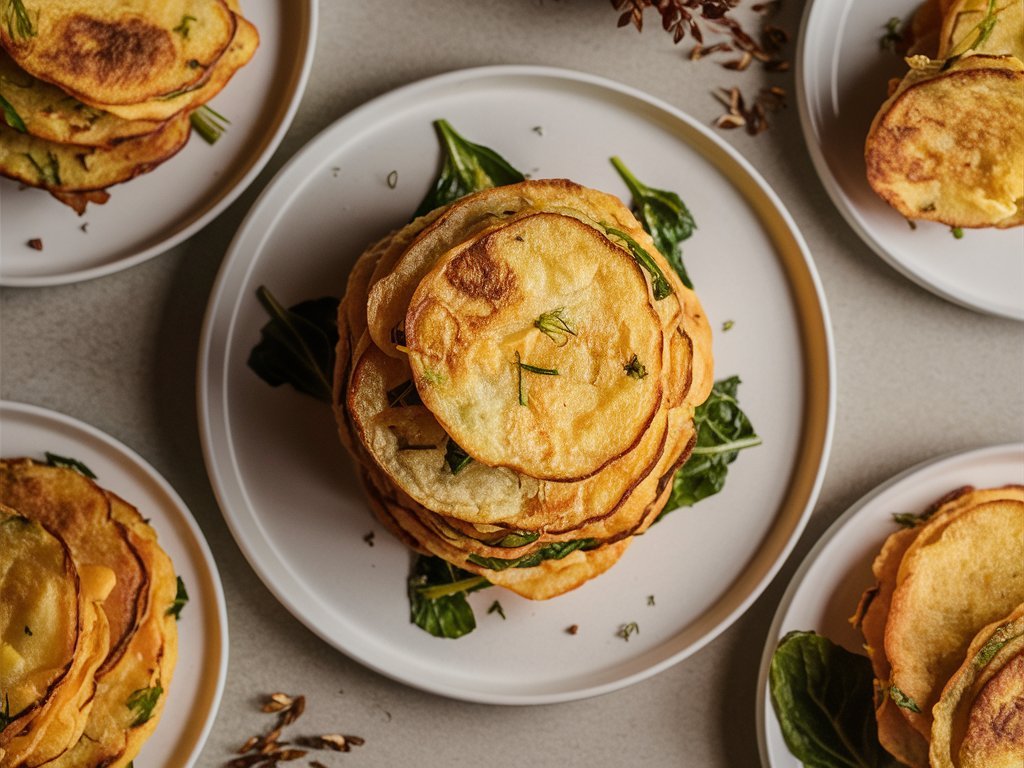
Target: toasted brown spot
pixel 476 274
pixel 121 52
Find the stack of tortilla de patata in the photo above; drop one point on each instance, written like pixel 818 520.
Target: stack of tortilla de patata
pixel 96 92
pixel 944 628
pixel 947 144
pixel 517 389
pixel 88 635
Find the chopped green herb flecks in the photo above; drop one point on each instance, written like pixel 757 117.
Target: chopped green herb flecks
pixel 456 458
pixel 521 366
pixel 556 326
pixel 496 608
pixel 11 116
pixel 142 702
pixel 635 369
pixel 67 463
pixel 659 285
pixel 905 519
pixel 902 700
pixel 467 168
pixel 650 599
pixel 209 123
pixel 957 232
pixel 728 325
pixel 628 630
pixel 48 170
pixel 515 539
pixel 180 598
pixel 183 28
pixel 16 18
pixel 663 215
pixel 892 37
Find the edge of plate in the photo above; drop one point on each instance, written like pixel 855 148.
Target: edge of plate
pixel 762 710
pixel 842 204
pixel 301 78
pixel 190 523
pixel 205 374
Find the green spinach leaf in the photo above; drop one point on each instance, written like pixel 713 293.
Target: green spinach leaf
pixel 664 215
pixel 68 463
pixel 659 285
pixel 467 168
pixel 456 458
pixel 723 430
pixel 554 551
pixel 437 597
pixel 823 699
pixel 297 345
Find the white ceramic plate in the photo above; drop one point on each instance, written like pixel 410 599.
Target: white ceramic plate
pixel 155 212
pixel 286 486
pixel 827 587
pixel 195 692
pixel 842 81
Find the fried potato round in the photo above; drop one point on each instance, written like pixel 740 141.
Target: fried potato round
pixel 49 113
pixel 242 48
pixel 68 502
pixel 555 407
pixel 947 145
pixel 979 719
pixel 962 572
pixel 39 624
pixel 117 53
pixel 60 168
pixel 400 271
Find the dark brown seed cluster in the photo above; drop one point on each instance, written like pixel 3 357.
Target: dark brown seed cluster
pixel 753 117
pixel 268 750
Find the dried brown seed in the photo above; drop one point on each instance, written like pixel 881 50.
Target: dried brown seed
pixel 250 743
pixel 335 741
pixel 741 63
pixel 35 244
pixel 290 754
pixel 573 629
pixel 777 65
pixel 696 53
pixel 730 121
pixel 316 764
pixel 294 712
pixel 277 702
pixel 356 741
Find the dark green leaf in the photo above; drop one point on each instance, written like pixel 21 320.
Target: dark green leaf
pixel 143 702
pixel 11 116
pixel 892 36
pixel 659 285
pixel 635 369
pixel 48 170
pixel 496 608
pixel 467 168
pixel 664 215
pixel 516 539
pixel 905 519
pixel 456 458
pixel 180 598
pixel 823 697
pixel 17 20
pixel 437 597
pixel 554 551
pixel 723 430
pixel 63 461
pixel 297 345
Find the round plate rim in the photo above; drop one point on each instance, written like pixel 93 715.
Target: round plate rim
pixel 396 97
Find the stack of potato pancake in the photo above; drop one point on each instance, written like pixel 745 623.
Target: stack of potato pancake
pixel 96 92
pixel 944 628
pixel 88 635
pixel 947 145
pixel 516 376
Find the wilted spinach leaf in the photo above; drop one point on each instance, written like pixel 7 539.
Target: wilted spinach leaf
pixel 68 463
pixel 467 168
pixel 554 551
pixel 297 345
pixel 723 430
pixel 664 215
pixel 437 597
pixel 823 699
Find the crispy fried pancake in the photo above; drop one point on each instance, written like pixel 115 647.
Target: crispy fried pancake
pixel 68 502
pixel 241 49
pixel 947 145
pixel 116 53
pixel 979 719
pixel 63 168
pixel 474 316
pixel 49 113
pixel 962 571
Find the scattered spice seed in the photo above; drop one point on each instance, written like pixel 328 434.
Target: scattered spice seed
pixel 393 179
pixel 496 608
pixel 538 129
pixel 316 764
pixel 628 629
pixel 755 118
pixel 277 702
pixel 573 629
pixel 36 244
pixel 85 227
pixel 368 538
pixel 650 599
pixel 727 325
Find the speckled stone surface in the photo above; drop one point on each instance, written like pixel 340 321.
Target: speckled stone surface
pixel 916 377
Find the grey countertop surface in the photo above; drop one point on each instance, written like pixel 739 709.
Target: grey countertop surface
pixel 916 377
